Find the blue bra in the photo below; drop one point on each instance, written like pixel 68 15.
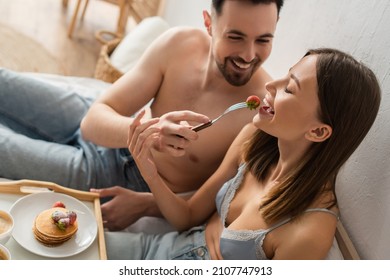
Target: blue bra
pixel 244 244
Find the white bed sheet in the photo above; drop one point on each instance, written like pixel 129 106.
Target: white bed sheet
pixel 88 87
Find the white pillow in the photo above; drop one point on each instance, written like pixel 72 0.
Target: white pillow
pixel 133 45
pixel 334 252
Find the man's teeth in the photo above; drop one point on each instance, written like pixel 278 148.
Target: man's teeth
pixel 242 65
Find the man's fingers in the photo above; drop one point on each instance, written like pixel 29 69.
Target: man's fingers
pixel 188 116
pixel 106 192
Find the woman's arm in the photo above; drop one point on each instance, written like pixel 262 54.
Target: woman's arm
pixel 182 214
pixel 309 238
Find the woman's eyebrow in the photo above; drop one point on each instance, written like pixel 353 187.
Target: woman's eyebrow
pixel 296 80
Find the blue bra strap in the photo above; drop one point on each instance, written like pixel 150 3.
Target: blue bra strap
pixel 307 210
pixel 323 210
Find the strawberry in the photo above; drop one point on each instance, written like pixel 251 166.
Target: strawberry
pixel 253 102
pixel 63 223
pixel 59 204
pixel 72 217
pixel 57 215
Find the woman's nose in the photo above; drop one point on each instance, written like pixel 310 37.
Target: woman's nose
pixel 271 87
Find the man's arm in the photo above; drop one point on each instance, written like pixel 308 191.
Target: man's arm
pixel 107 120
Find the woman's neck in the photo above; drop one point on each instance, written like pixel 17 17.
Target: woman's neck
pixel 290 156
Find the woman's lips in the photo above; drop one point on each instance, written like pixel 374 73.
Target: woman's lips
pixel 267 108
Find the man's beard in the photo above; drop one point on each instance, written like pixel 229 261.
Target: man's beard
pixel 235 78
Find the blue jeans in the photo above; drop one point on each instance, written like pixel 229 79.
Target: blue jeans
pixel 40 138
pixel 188 245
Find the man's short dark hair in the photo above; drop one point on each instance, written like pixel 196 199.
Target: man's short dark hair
pixel 217 4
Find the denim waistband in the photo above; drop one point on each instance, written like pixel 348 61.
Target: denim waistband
pixel 133 177
pixel 195 249
pixel 124 152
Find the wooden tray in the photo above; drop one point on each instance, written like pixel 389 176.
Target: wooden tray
pixel 25 187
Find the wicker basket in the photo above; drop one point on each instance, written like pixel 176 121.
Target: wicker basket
pixel 104 70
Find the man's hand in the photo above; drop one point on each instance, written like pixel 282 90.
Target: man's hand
pixel 125 207
pixel 176 133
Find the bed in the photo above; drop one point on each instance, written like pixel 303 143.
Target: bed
pixel 342 248
pixel 143 35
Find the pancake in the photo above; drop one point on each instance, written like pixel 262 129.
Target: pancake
pixel 48 233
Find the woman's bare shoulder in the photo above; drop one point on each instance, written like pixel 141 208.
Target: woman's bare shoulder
pixel 311 236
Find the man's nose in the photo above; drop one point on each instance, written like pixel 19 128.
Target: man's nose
pixel 249 53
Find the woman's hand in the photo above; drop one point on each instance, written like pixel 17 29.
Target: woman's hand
pixel 142 138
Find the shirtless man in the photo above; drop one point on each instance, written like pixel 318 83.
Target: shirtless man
pixel 185 71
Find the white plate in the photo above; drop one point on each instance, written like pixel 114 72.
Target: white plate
pixel 28 207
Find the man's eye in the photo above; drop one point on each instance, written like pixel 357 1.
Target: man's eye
pixel 263 41
pixel 235 38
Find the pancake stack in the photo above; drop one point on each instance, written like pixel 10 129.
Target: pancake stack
pixel 48 232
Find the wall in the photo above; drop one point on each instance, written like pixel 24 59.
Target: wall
pixel 187 12
pixel 361 28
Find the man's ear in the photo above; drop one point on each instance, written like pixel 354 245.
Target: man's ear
pixel 319 133
pixel 207 21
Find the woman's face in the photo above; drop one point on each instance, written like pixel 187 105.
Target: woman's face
pixel 290 108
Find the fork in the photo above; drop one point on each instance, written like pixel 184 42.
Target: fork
pixel 230 109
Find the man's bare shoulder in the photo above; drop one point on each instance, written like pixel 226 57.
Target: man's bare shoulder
pixel 263 77
pixel 186 33
pixel 177 38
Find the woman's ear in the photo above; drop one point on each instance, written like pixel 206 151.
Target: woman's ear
pixel 319 133
pixel 207 21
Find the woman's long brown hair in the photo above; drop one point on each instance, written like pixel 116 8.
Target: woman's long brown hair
pixel 349 96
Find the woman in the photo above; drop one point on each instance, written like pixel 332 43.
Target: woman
pixel 279 198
